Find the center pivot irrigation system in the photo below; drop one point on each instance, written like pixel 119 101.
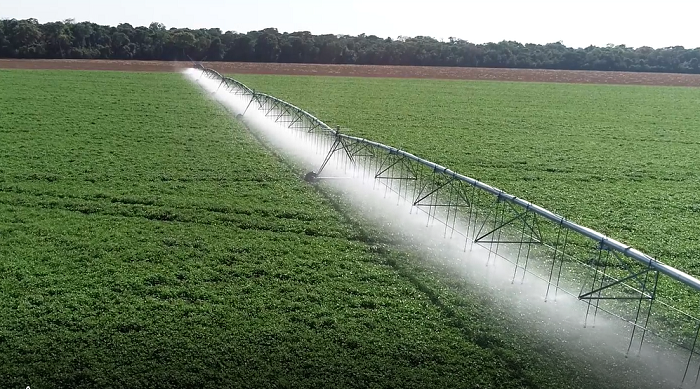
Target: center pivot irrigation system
pixel 607 275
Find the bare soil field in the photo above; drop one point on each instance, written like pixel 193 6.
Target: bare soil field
pixel 528 75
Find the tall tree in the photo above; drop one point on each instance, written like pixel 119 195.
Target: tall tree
pixel 183 42
pixel 267 46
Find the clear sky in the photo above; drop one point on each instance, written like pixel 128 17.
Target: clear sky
pixel 575 23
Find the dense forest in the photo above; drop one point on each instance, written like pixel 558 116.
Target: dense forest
pixel 67 39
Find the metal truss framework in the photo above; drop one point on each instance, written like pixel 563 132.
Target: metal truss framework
pixel 605 274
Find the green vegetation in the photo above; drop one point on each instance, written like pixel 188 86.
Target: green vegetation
pixel 619 159
pixel 148 240
pixel 30 39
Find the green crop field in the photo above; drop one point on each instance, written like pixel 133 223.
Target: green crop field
pixel 618 159
pixel 148 240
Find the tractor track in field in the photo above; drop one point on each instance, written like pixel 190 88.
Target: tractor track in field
pixel 448 73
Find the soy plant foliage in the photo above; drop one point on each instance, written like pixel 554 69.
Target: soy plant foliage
pixel 619 159
pixel 146 239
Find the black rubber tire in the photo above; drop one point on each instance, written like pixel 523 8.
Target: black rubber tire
pixel 311 177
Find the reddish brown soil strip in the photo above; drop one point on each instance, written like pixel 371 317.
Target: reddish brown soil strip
pixel 529 75
pixel 80 64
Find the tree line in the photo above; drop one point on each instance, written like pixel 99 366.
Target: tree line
pixel 67 39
